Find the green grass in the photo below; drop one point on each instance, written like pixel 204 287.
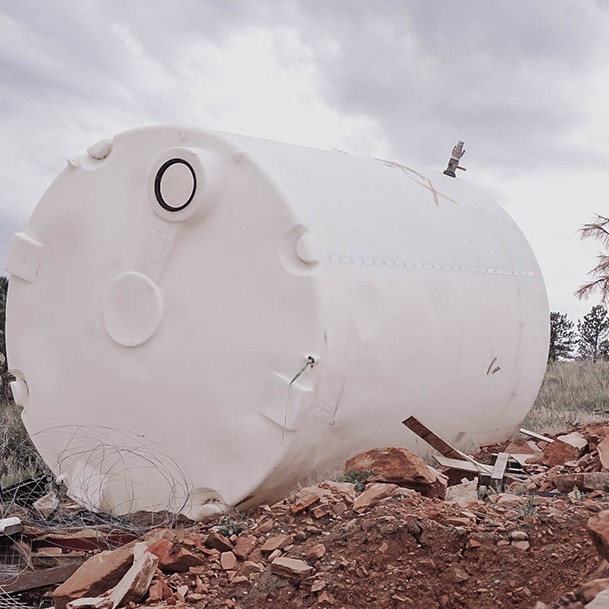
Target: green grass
pixel 572 393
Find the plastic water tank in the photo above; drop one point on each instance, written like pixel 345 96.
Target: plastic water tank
pixel 199 317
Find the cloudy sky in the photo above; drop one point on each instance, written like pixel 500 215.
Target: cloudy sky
pixel 525 84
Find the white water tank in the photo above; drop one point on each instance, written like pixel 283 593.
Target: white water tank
pixel 197 316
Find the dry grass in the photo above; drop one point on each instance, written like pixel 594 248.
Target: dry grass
pixel 572 393
pixel 19 460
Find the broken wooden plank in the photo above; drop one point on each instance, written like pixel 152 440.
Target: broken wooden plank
pixel 29 580
pixel 498 473
pixel 458 464
pixel 533 434
pixel 86 540
pixel 436 442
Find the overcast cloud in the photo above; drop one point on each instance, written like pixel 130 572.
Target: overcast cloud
pixel 523 83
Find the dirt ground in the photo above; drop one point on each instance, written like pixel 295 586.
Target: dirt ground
pixel 409 551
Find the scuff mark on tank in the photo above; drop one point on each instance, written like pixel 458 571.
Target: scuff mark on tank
pixel 340 397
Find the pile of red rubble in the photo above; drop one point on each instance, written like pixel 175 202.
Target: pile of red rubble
pixel 393 537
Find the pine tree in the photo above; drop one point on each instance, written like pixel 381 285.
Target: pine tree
pixel 593 334
pixel 598 229
pixel 562 336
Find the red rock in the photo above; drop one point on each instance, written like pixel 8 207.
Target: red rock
pixel 322 510
pixel 228 561
pixel 343 489
pixel 173 557
pixel 576 440
pixel 520 447
pixel 156 591
pixel 457 575
pixel 372 495
pixel 585 481
pixel 316 552
pixel 590 589
pixel 601 572
pixel 399 466
pixel 325 598
pixel 276 543
pixel 218 542
pixel 562 450
pixel 133 586
pixel 244 546
pixel 339 508
pixel 457 521
pixel 598 529
pixel 603 453
pixel 318 585
pixel 291 568
pixel 304 500
pixel 266 526
pixel 95 576
pixel 250 567
pixel 521 544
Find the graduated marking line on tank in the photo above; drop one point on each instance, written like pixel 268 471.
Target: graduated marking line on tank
pixel 425 183
pixel 426 266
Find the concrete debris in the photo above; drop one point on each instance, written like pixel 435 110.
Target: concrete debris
pixel 395 465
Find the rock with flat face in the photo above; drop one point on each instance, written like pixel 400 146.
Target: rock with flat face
pixel 174 557
pixel 563 449
pixel 603 453
pixel 372 495
pixel 291 568
pixel 95 576
pixel 396 465
pixel 135 583
pixel 598 528
pixel 584 481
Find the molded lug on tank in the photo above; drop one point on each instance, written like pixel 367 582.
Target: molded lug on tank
pixel 24 257
pixel 20 392
pixel 73 163
pixel 239 156
pixel 307 249
pixel 100 150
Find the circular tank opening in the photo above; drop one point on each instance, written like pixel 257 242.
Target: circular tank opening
pixel 175 184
